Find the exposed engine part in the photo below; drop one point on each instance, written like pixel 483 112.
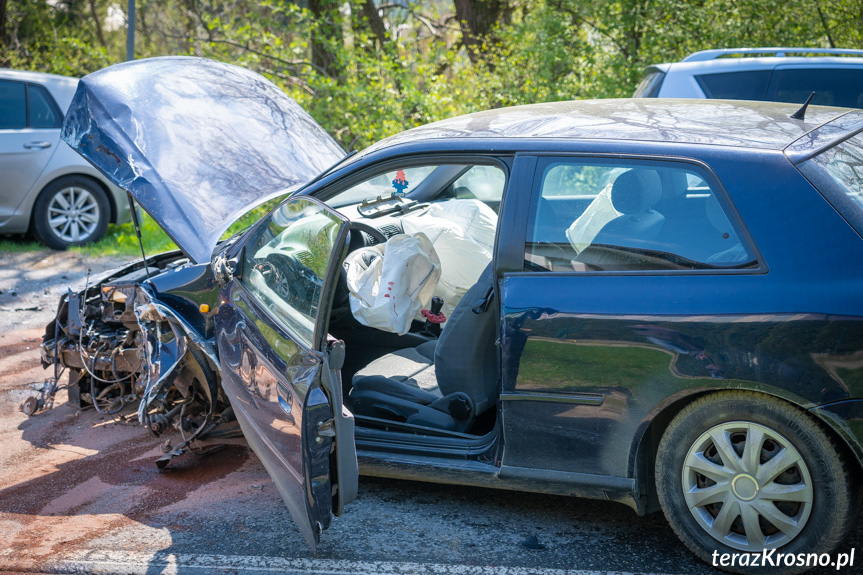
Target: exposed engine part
pixel 122 347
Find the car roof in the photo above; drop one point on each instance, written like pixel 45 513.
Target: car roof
pixel 761 125
pixel 37 77
pixel 764 63
pixel 781 52
pixel 746 59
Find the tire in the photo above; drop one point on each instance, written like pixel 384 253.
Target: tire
pixel 58 224
pixel 711 435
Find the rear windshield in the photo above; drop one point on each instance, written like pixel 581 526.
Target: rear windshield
pixel 838 175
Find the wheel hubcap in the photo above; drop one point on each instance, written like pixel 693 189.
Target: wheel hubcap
pixel 73 214
pixel 744 487
pixel 747 486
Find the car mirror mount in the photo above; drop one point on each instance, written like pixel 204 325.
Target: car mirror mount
pixel 224 268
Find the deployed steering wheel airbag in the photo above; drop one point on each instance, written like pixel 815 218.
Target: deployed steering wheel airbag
pixel 389 283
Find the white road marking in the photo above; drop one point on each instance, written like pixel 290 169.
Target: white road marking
pixel 127 563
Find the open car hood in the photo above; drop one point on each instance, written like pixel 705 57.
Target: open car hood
pixel 196 142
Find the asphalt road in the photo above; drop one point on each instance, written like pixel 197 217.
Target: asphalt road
pixel 80 493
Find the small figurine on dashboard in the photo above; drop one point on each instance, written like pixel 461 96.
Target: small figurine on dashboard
pixel 400 183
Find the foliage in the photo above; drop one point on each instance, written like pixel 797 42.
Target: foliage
pixel 366 70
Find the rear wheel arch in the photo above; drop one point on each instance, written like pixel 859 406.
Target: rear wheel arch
pixel 648 444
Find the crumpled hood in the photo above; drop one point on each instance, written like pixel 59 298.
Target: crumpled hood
pixel 196 142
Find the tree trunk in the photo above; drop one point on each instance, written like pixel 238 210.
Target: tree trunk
pixel 98 22
pixel 376 23
pixel 326 36
pixel 477 19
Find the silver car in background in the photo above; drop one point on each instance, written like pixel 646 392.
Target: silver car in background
pixel 46 188
pixel 766 74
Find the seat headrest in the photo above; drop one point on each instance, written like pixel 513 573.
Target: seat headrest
pixel 716 215
pixel 636 191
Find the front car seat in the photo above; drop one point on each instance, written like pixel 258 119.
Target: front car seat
pixel 443 384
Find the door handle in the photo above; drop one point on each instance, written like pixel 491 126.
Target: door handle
pixel 37 145
pixel 286 399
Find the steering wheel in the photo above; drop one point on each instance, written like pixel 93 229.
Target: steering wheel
pixel 286 271
pixel 370 230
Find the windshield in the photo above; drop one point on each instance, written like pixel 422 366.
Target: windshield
pixel 402 182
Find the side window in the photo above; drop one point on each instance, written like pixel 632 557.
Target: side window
pixel 735 85
pixel 285 262
pixel 484 183
pixel 609 216
pixel 832 87
pixel 42 113
pixel 13 106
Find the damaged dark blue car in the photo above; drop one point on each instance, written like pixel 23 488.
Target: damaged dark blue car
pixel 655 302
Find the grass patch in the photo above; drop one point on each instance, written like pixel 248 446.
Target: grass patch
pixel 118 240
pixel 121 240
pixel 20 245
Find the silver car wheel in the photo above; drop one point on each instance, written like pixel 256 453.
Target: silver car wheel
pixel 747 486
pixel 73 214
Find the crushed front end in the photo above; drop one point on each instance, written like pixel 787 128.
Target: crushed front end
pixel 141 336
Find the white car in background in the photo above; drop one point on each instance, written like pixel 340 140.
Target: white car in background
pixel 46 188
pixel 771 74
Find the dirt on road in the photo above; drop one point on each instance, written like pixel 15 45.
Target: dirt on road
pixel 70 476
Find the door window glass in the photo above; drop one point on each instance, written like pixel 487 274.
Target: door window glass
pixel 13 106
pixel 286 261
pixel 43 113
pixel 606 216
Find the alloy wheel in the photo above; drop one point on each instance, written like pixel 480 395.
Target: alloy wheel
pixel 747 486
pixel 73 214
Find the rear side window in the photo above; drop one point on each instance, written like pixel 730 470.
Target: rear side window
pixel 650 85
pixel 13 106
pixel 838 175
pixel 735 85
pixel 832 87
pixel 27 106
pixel 597 215
pixel 42 111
